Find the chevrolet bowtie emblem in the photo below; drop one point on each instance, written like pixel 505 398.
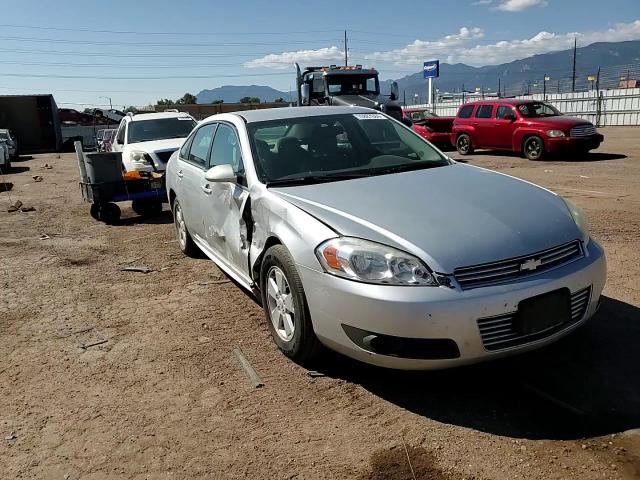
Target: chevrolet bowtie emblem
pixel 531 264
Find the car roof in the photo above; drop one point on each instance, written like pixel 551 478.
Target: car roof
pixel 266 114
pixel 503 101
pixel 154 116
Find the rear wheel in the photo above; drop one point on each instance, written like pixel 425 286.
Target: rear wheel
pixel 533 148
pixel 186 243
pixel 147 208
pixel 464 145
pixel 285 306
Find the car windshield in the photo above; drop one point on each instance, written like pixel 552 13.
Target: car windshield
pixel 352 85
pixel 538 109
pixel 337 147
pixel 159 129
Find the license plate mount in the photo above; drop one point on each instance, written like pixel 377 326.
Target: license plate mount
pixel 542 312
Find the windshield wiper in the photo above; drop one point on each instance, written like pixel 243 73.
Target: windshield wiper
pixel 407 167
pixel 311 179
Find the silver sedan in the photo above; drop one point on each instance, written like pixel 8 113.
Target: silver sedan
pixel 358 235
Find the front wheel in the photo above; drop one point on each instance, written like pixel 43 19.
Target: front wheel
pixel 464 145
pixel 186 243
pixel 285 306
pixel 533 148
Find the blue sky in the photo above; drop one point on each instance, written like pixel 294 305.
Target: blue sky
pixel 143 50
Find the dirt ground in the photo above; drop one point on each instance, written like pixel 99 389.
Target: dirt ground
pixel 108 374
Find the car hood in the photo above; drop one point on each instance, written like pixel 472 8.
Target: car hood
pixel 157 145
pixel 562 122
pixel 369 101
pixel 450 216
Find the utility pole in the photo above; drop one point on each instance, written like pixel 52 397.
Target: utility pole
pixel 598 80
pixel 575 49
pixel 108 98
pixel 346 50
pixel 499 87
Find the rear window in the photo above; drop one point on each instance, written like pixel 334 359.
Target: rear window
pixel 484 111
pixel 466 111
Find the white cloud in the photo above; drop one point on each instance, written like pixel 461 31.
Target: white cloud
pixel 477 3
pixel 459 48
pixel 520 5
pixel 419 50
pixel 286 59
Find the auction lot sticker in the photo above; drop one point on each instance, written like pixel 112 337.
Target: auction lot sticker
pixel 369 116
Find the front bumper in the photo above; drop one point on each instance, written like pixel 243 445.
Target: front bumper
pixel 573 144
pixel 442 314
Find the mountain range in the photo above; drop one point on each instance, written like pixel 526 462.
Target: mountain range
pixel 614 59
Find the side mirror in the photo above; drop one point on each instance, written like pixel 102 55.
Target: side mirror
pixel 509 116
pixel 395 92
pixel 220 174
pixel 305 93
pixel 407 121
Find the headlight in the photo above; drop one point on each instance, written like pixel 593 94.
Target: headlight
pixel 371 262
pixel 555 133
pixel 138 156
pixel 580 218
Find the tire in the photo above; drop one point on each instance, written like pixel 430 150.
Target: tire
pixel 109 213
pixel 185 242
pixel 147 208
pixel 533 148
pixel 94 211
pixel 285 306
pixel 464 145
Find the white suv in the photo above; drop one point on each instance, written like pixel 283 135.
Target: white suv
pixel 147 140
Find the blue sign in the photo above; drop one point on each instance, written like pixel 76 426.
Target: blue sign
pixel 432 69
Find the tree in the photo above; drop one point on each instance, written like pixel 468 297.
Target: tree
pixel 279 100
pixel 217 102
pixel 187 99
pixel 165 102
pixel 250 100
pixel 131 109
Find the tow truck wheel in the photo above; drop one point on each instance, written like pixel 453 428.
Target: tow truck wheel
pixel 464 145
pixel 533 148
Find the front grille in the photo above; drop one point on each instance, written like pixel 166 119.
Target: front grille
pixel 502 271
pixel 583 130
pixel 498 332
pixel 165 155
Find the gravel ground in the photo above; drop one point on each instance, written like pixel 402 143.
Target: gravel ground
pixel 107 374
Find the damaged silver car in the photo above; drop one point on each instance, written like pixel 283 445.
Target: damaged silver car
pixel 357 234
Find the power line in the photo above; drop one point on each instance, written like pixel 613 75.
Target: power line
pixel 102 65
pixel 145 33
pixel 155 77
pixel 163 44
pixel 136 55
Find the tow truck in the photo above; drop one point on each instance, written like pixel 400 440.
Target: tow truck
pixel 347 85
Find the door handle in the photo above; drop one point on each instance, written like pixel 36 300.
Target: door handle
pixel 475 124
pixel 206 189
pixel 180 174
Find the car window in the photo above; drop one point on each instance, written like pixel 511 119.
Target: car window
pixel 504 110
pixel 184 150
pixel 200 145
pixel 484 111
pixel 120 134
pixel 466 111
pixel 226 149
pixel 160 129
pixel 538 109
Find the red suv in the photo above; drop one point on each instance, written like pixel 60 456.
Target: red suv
pixel 531 127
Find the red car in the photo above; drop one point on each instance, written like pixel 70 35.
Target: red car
pixel 429 126
pixel 530 127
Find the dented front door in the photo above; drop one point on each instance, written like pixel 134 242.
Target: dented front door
pixel 225 228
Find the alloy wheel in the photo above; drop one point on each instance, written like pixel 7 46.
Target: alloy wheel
pixel 181 228
pixel 282 311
